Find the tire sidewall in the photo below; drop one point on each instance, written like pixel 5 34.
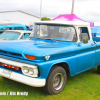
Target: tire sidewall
pixel 51 77
pixel 98 69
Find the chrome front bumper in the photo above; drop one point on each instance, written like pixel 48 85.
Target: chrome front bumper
pixel 31 81
pixel 25 79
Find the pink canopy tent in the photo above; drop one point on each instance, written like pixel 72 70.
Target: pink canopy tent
pixel 69 17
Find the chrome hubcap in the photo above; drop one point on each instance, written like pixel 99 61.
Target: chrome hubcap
pixel 58 81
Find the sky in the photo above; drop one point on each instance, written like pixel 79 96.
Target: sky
pixel 88 10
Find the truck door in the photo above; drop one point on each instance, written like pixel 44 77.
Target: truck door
pixel 85 52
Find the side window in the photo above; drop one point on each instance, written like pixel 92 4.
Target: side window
pixel 26 35
pixel 18 28
pixel 83 32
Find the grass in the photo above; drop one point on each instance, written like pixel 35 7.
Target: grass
pixel 85 86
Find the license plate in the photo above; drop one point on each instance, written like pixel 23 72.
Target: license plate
pixel 6 73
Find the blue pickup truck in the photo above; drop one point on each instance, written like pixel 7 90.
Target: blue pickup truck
pixel 45 59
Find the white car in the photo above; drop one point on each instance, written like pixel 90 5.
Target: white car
pixel 15 35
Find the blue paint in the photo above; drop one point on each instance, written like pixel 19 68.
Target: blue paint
pixel 79 58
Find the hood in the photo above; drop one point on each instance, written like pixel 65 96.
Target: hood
pixel 38 48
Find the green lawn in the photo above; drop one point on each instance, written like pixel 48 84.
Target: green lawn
pixel 85 86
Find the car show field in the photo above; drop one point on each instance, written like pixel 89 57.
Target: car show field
pixel 84 86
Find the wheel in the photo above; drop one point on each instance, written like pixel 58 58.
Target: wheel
pixel 98 69
pixel 56 80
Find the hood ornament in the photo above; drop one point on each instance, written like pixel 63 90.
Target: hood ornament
pixel 47 57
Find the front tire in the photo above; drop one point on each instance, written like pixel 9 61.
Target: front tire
pixel 56 80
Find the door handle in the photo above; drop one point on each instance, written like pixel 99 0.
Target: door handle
pixel 93 43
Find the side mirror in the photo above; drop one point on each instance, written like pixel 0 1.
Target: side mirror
pixel 85 40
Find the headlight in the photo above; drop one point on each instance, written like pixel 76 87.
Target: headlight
pixel 31 71
pixel 25 69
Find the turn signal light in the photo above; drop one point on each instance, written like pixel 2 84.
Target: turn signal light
pixel 30 57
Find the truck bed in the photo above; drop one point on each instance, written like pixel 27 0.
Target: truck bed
pixel 97 39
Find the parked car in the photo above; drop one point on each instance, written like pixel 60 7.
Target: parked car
pixel 11 26
pixel 15 35
pixel 28 28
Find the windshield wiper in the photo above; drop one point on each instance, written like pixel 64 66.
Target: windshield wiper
pixel 44 38
pixel 36 37
pixel 50 39
pixel 3 39
pixel 32 37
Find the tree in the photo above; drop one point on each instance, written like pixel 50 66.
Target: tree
pixel 45 19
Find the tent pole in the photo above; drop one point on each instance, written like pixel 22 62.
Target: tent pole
pixel 40 9
pixel 73 7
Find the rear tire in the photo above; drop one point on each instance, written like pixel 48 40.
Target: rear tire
pixel 56 80
pixel 4 77
pixel 98 69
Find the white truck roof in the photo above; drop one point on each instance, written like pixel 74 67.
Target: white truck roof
pixel 64 22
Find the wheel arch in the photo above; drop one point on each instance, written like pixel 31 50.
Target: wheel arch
pixel 62 64
pixel 50 88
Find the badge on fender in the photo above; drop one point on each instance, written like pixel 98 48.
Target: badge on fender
pixel 47 57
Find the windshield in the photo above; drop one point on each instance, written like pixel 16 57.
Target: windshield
pixel 55 32
pixel 9 35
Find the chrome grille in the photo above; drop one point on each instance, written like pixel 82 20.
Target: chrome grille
pixel 10 54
